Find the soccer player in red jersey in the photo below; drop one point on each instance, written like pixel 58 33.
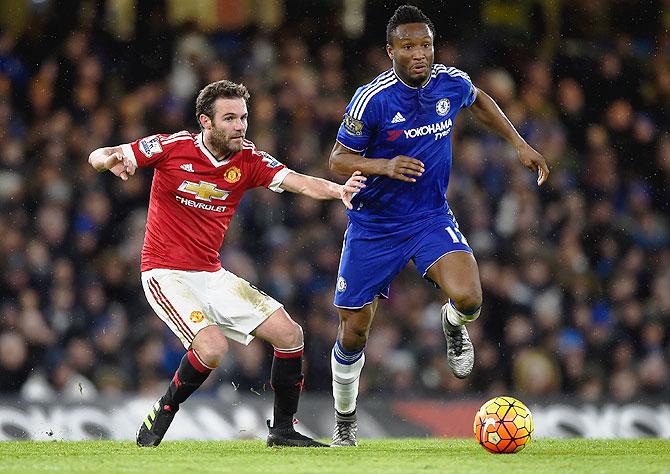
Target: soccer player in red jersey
pixel 198 182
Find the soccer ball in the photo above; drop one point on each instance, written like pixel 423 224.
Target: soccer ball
pixel 503 425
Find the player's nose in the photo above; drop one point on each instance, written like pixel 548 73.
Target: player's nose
pixel 418 54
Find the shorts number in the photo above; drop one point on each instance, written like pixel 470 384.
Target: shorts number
pixel 456 236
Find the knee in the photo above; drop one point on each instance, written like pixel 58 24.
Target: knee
pixel 211 346
pixel 353 337
pixel 469 300
pixel 355 327
pixel 291 337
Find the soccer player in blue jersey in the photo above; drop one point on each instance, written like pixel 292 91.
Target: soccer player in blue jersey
pixel 397 131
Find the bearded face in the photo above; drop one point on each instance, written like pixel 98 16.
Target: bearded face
pixel 225 140
pixel 225 132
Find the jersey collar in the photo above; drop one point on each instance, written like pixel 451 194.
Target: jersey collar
pixel 200 143
pixel 430 78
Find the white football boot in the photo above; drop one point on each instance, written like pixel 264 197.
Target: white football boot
pixel 460 351
pixel 346 428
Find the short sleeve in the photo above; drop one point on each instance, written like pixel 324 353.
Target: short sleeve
pixel 152 150
pixel 470 94
pixel 469 89
pixel 267 171
pixel 360 120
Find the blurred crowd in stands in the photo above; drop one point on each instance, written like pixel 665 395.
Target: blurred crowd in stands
pixel 576 275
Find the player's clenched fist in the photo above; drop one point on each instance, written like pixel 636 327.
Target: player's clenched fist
pixel 120 165
pixel 403 168
pixel 112 159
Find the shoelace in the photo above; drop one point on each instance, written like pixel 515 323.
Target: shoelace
pixel 344 430
pixel 456 336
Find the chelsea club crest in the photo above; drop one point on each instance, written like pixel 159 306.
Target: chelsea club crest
pixel 341 284
pixel 443 106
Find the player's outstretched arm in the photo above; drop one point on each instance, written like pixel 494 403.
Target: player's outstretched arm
pixel 319 188
pixel 345 161
pixel 111 158
pixel 487 112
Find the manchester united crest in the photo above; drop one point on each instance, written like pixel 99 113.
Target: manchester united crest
pixel 196 316
pixel 232 174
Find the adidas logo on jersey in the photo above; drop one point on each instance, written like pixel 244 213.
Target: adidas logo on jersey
pixel 187 167
pixel 398 118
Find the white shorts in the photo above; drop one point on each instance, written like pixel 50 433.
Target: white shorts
pixel 190 301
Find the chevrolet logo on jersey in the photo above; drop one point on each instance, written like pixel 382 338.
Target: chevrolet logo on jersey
pixel 203 190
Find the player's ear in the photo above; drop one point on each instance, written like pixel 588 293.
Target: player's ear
pixel 205 121
pixel 389 51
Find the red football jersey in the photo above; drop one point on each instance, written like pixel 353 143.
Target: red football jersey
pixel 194 196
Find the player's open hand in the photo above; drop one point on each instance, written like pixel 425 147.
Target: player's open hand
pixel 403 168
pixel 532 160
pixel 120 165
pixel 354 184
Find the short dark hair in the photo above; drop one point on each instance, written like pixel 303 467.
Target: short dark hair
pixel 204 104
pixel 407 14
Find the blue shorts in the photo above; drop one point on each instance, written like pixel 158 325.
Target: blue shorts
pixel 373 254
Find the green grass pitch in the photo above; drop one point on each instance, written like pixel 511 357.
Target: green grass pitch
pixel 371 456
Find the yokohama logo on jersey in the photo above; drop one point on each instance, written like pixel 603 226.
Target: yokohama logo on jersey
pixel 200 205
pixel 439 129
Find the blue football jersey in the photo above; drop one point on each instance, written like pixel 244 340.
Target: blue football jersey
pixel 386 118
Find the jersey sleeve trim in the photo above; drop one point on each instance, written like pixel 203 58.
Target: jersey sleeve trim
pixel 349 148
pixel 128 152
pixel 473 95
pixel 278 179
